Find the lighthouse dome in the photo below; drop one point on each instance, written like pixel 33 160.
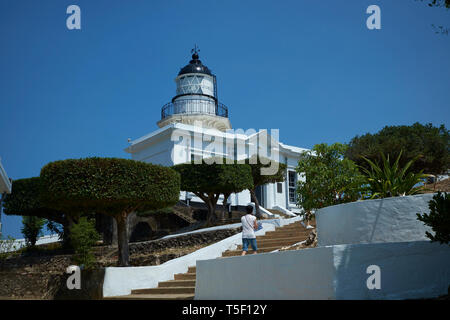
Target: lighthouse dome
pixel 195 66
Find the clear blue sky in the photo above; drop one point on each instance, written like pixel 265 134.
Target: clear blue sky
pixel 309 68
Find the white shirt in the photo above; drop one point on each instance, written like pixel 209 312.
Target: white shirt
pixel 248 222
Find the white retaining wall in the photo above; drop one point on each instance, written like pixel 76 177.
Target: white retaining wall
pixel 371 221
pixel 20 243
pixel 409 270
pixel 121 280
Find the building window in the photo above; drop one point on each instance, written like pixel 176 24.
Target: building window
pixel 279 187
pixel 292 180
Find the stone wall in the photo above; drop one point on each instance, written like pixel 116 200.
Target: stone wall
pixel 200 238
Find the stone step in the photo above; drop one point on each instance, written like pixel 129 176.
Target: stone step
pixel 185 276
pixel 288 234
pixel 178 296
pixel 230 253
pixel 297 229
pixel 176 283
pixel 167 290
pixel 192 269
pixel 277 242
pixel 291 226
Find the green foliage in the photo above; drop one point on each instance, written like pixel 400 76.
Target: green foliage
pixel 108 185
pixel 438 218
pixel 430 143
pixel 330 178
pixel 217 177
pixel 25 200
pixel 259 167
pixel 213 177
pixel 391 180
pixel 83 237
pixel 7 247
pixel 258 163
pixel 32 229
pixel 55 227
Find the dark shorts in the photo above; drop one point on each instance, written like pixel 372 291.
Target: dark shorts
pixel 246 242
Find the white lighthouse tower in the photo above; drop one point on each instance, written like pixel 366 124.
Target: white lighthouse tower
pixel 196 98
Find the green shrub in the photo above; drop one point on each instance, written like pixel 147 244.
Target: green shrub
pixel 83 237
pixel 391 180
pixel 32 229
pixel 438 218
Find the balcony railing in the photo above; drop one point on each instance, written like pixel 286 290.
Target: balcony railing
pixel 191 106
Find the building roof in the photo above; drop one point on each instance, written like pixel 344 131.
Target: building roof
pixel 195 66
pixel 144 141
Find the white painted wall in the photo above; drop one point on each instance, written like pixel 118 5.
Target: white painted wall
pixel 20 243
pixel 371 221
pixel 409 270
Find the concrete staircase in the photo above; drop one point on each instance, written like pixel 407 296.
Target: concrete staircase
pixel 183 285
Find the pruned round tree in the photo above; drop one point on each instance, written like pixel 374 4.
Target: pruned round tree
pixel 110 186
pixel 213 177
pixel 264 171
pixel 25 200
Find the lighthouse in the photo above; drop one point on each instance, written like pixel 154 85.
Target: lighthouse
pixel 196 98
pixel 195 124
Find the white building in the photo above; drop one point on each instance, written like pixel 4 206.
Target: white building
pixel 5 187
pixel 194 125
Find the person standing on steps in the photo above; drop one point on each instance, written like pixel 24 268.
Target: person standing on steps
pixel 249 225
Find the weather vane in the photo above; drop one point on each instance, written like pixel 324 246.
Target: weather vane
pixel 195 50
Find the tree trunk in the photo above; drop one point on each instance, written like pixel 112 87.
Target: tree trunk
pixel 255 200
pixel 211 212
pixel 70 220
pixel 122 239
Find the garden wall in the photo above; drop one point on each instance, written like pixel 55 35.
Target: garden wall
pixel 408 270
pixel 372 221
